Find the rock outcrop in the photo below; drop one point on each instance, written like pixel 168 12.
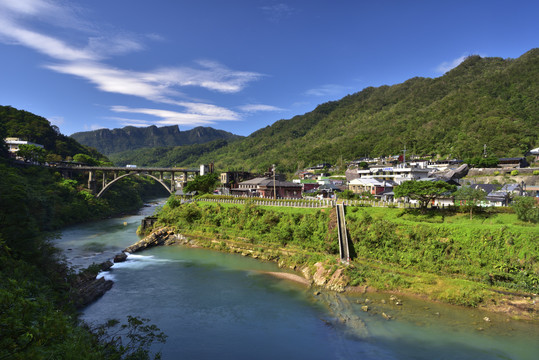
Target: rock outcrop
pixel 86 287
pixel 332 280
pixel 163 236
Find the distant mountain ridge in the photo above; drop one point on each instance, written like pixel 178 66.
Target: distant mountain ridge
pixel 129 138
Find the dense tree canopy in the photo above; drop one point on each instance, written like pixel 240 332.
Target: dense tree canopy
pixel 30 152
pixel 27 126
pixel 203 184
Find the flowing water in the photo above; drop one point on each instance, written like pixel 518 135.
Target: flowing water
pixel 215 305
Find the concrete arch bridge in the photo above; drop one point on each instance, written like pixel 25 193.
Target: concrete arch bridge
pixel 111 175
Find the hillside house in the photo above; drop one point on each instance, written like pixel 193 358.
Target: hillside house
pixel 516 162
pixel 266 187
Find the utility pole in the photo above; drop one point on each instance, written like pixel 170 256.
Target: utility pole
pixel 404 156
pixel 274 188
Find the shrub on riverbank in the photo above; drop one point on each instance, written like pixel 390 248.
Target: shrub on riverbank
pixel 305 229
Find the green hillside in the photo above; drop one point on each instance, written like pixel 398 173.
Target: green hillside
pixel 490 101
pixel 132 138
pixel 37 129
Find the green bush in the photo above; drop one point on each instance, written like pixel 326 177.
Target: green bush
pixel 514 173
pixel 535 172
pixel 526 208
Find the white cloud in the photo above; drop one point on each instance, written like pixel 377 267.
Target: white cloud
pixel 130 122
pixel 96 127
pixel 210 75
pixel 114 45
pixel 56 120
pixel 117 81
pixel 277 12
pixel 448 65
pixel 29 7
pixel 259 107
pixel 196 114
pixel 328 90
pixel 87 62
pixel 44 44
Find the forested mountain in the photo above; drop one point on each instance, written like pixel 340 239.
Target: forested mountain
pixel 131 138
pixel 37 129
pixel 490 101
pixel 167 156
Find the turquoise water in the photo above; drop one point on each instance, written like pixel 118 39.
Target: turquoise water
pixel 217 305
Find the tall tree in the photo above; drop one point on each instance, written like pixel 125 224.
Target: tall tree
pixel 30 152
pixel 470 197
pixel 203 184
pixel 423 191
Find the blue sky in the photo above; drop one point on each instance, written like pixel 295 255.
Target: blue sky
pixel 236 65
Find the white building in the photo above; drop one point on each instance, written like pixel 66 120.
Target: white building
pixel 398 174
pixel 13 144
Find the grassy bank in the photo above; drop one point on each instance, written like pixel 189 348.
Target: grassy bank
pixel 443 256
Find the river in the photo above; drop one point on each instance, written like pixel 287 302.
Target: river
pixel 216 305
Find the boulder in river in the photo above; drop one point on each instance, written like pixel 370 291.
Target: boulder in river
pixel 120 257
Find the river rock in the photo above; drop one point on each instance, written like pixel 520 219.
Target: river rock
pixel 386 316
pixel 86 287
pixel 120 258
pixel 365 308
pixel 104 266
pixel 163 236
pixel 335 281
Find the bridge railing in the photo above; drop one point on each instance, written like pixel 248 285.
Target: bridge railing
pixel 302 203
pixel 313 203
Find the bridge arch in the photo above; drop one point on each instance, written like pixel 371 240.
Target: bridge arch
pixel 104 190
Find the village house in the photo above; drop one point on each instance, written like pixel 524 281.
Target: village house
pixel 370 185
pixel 516 162
pixel 308 185
pixel 267 187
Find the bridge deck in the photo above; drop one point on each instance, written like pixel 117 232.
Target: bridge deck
pixel 119 168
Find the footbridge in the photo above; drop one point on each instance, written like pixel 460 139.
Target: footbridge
pixel 344 249
pixel 110 175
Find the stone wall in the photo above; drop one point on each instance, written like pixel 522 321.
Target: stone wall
pixel 475 176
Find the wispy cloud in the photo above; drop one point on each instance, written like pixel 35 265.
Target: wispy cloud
pixel 209 75
pixel 195 114
pixel 251 108
pixel 89 61
pixel 328 90
pixel 118 81
pixel 130 122
pixel 448 65
pixel 277 12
